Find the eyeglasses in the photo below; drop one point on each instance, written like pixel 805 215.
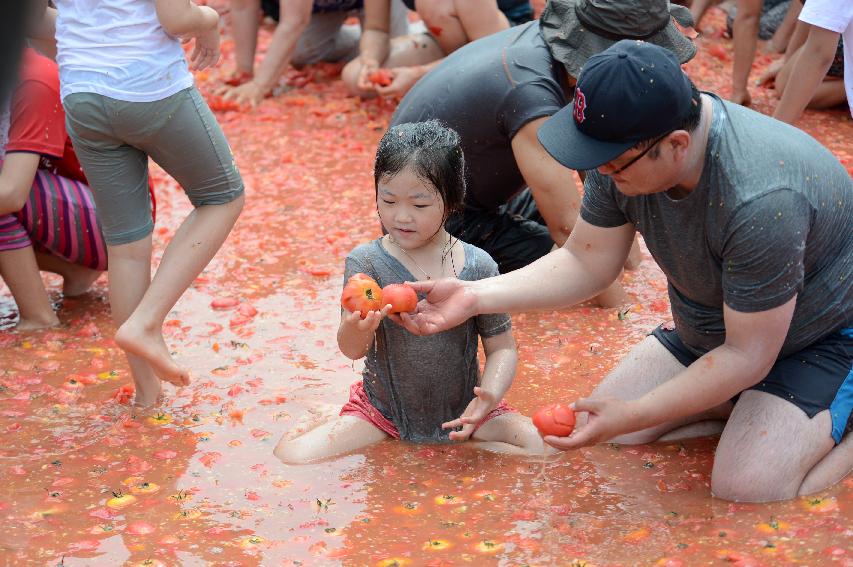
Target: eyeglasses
pixel 639 156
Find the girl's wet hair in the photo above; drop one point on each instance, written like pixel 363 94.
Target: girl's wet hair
pixel 433 151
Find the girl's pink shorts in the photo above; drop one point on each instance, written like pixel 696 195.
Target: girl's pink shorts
pixel 359 405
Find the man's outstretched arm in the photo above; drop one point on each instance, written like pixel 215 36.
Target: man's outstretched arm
pixel 753 342
pixel 590 261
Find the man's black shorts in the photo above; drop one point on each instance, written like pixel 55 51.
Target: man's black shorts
pixel 514 235
pixel 818 377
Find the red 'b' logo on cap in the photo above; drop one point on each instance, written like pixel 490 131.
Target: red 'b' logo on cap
pixel 580 106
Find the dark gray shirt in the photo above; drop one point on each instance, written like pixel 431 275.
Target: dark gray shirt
pixel 421 382
pixel 486 91
pixel 772 216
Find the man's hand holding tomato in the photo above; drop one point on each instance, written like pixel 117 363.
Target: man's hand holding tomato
pixel 448 303
pixel 484 401
pixel 600 421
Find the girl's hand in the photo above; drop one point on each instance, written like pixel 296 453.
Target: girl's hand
pixel 477 410
pixel 370 322
pixel 206 50
pixel 368 66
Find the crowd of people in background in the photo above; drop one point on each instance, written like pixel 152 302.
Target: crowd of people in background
pixel 475 190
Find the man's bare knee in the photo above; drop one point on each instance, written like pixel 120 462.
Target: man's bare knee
pixel 740 484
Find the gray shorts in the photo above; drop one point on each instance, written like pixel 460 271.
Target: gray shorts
pixel 113 140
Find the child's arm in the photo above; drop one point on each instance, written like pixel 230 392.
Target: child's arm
pixel 16 180
pixel 808 71
pixel 183 18
pixel 501 362
pixel 355 335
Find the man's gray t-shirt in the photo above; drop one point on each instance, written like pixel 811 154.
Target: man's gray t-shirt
pixel 421 382
pixel 487 91
pixel 771 217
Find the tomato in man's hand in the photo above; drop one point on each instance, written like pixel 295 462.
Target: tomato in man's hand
pixel 401 297
pixel 381 77
pixel 362 293
pixel 555 419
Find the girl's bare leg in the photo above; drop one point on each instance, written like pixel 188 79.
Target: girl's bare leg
pixel 195 243
pixel 129 278
pixel 76 279
pixel 341 434
pixel 19 270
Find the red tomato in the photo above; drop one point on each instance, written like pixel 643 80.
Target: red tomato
pixel 381 77
pixel 363 294
pixel 555 419
pixel 402 298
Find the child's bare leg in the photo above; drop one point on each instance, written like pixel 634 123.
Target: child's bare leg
pixel 244 28
pixel 19 270
pixel 829 93
pixel 341 434
pixel 510 433
pixel 195 243
pixel 129 277
pixel 76 279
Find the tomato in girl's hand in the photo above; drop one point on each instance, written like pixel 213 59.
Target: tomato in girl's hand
pixel 381 77
pixel 362 294
pixel 401 297
pixel 555 419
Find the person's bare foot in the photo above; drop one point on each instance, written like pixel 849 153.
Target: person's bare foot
pixel 26 324
pixel 78 280
pixel 147 395
pixel 149 345
pixel 140 408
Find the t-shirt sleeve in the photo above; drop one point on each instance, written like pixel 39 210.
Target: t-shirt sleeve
pixel 527 102
pixel 832 15
pixel 491 324
pixel 599 206
pixel 37 121
pixel 357 262
pixel 762 256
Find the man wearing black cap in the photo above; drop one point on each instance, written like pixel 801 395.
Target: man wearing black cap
pixel 497 91
pixel 750 220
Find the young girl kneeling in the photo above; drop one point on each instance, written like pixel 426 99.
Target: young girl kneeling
pixel 421 389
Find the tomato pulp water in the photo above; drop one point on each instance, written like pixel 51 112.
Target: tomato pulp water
pixel 206 487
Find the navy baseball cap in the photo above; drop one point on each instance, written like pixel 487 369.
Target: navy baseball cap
pixel 630 92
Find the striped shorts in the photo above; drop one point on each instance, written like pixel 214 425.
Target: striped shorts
pixel 58 218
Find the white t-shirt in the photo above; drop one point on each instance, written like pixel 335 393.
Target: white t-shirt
pixel 117 48
pixel 837 16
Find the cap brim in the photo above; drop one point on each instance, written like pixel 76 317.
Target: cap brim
pixel 561 138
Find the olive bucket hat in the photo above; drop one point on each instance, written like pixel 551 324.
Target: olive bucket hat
pixel 575 30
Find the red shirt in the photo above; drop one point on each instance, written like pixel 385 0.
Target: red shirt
pixel 37 120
